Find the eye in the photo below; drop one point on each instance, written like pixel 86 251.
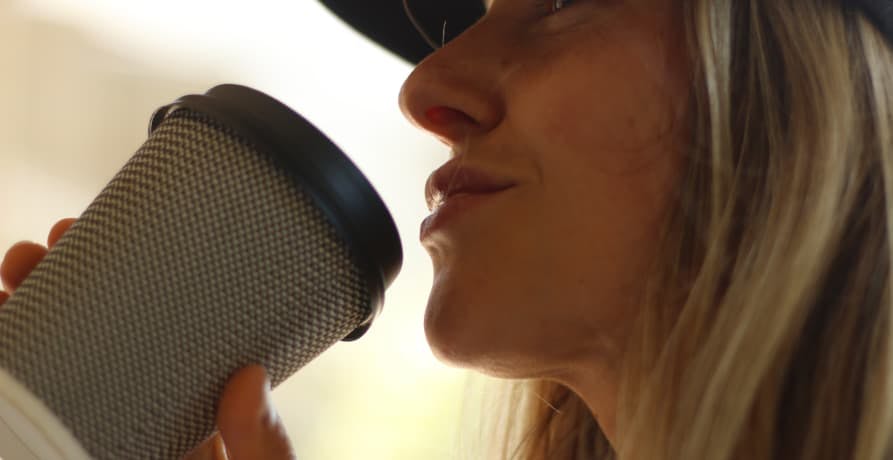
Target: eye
pixel 552 6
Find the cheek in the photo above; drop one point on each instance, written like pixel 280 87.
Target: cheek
pixel 607 103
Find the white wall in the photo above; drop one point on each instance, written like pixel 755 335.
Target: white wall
pixel 79 81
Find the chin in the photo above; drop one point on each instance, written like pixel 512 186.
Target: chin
pixel 446 335
pixel 454 335
pixel 459 340
pixel 470 331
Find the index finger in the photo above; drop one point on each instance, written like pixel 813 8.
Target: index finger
pixel 58 230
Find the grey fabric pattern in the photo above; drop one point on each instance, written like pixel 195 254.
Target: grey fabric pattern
pixel 201 256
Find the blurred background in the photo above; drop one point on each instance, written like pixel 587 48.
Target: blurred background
pixel 79 81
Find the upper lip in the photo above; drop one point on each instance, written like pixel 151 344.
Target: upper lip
pixel 454 177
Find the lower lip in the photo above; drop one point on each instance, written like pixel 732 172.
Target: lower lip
pixel 450 210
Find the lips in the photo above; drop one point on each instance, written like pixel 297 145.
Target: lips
pixel 455 178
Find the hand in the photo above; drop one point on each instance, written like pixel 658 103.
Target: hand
pixel 248 426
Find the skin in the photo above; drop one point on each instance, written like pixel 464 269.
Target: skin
pixel 582 109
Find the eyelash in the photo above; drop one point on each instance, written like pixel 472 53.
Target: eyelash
pixel 551 6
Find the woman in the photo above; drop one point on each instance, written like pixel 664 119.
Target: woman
pixel 667 219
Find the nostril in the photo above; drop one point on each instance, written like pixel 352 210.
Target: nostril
pixel 441 115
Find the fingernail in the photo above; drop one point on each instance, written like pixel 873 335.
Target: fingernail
pixel 220 450
pixel 268 412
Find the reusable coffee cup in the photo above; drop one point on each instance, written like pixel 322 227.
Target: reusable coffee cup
pixel 237 234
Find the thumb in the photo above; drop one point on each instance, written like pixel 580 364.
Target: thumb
pixel 247 422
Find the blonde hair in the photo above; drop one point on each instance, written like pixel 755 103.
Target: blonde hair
pixel 765 331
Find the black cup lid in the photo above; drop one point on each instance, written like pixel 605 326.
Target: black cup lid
pixel 335 184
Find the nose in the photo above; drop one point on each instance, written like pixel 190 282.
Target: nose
pixel 449 94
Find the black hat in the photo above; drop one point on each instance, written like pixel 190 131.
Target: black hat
pixel 387 22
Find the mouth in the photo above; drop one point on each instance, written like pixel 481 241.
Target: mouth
pixel 454 179
pixel 454 190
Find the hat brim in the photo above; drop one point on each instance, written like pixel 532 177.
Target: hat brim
pixel 386 22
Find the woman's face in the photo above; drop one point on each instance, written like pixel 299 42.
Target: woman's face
pixel 566 129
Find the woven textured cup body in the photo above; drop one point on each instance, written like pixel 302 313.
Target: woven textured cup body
pixel 201 256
